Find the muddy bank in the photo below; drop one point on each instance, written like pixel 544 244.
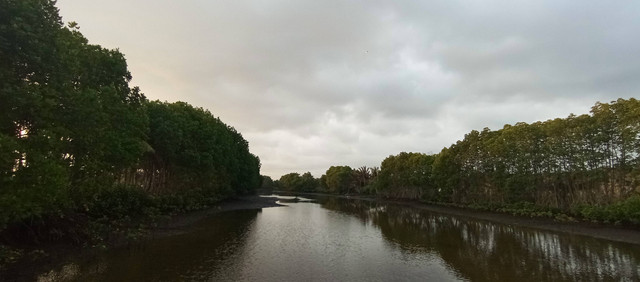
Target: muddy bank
pixel 596 230
pixel 181 223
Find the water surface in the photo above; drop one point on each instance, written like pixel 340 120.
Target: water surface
pixel 337 239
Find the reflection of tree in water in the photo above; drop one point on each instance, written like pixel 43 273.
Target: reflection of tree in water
pixel 193 256
pixel 480 250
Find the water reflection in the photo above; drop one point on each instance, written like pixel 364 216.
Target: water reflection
pixel 195 256
pixel 485 251
pixel 349 240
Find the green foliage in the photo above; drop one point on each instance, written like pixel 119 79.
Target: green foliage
pixel 527 209
pixel 76 139
pixel 192 148
pixel 339 179
pixel 445 174
pixel 190 200
pixel 323 183
pixel 627 211
pixel 407 175
pixel 267 185
pixel 308 183
pixel 587 160
pixel 119 202
pixel 294 182
pixel 43 190
pixel 126 203
pixel 585 166
pixel 290 182
pixel 69 116
pixel 365 179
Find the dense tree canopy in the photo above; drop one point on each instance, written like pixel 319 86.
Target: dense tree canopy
pixel 197 149
pixel 295 182
pixel 71 125
pixel 587 165
pixel 406 175
pixel 561 163
pixel 267 185
pixel 69 117
pixel 339 179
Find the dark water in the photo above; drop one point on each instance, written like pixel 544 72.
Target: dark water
pixel 349 240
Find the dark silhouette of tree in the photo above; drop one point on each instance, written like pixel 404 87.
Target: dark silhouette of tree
pixel 71 126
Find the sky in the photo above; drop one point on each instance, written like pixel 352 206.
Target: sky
pixel 311 84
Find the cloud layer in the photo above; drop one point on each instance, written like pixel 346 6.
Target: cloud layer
pixel 317 83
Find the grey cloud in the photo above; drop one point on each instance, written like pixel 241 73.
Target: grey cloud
pixel 317 83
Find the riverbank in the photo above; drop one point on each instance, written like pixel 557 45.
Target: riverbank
pixel 37 258
pixel 596 230
pixel 181 223
pixel 583 228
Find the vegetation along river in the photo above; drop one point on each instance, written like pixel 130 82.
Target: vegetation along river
pixel 334 239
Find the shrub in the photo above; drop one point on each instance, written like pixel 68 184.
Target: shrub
pixel 627 211
pixel 119 202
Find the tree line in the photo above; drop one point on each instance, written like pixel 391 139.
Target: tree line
pixel 586 165
pixel 75 137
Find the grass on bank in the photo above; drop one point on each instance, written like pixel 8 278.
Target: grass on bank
pixel 624 213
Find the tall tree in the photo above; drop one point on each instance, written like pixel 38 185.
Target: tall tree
pixel 70 120
pixel 406 175
pixel 339 179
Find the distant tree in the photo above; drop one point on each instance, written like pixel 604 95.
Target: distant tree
pixel 290 182
pixel 406 175
pixel 308 183
pixel 295 182
pixel 267 184
pixel 445 174
pixel 362 177
pixel 339 179
pixel 322 186
pixel 374 171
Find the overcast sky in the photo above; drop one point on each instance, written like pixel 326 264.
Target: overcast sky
pixel 312 84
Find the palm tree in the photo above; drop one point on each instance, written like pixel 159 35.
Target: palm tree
pixel 374 172
pixel 361 177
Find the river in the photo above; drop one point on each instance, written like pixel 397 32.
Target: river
pixel 334 239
